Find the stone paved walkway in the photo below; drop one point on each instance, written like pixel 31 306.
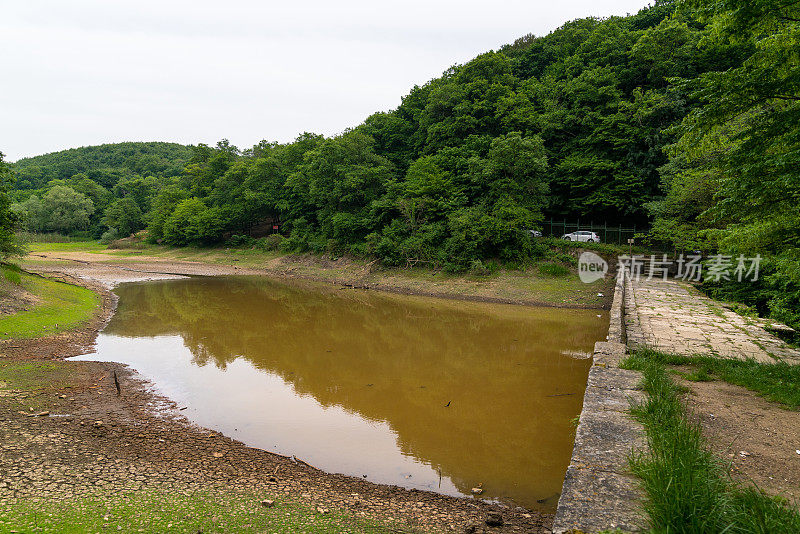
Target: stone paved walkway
pixel 674 317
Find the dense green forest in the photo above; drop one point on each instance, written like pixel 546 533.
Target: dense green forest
pixel 106 188
pixel 683 116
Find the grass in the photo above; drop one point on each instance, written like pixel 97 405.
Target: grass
pixel 75 246
pixel 60 307
pixel 27 237
pixel 164 511
pixel 687 488
pixel 12 274
pixel 553 269
pixel 31 376
pixel 778 382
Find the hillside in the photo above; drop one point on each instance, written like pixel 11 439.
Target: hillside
pixel 105 164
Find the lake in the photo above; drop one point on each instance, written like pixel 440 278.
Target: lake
pixel 420 392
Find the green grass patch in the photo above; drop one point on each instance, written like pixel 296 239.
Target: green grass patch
pixel 61 307
pixel 687 488
pixel 74 246
pixel 12 274
pixel 553 269
pixel 33 374
pixel 165 511
pixel 777 382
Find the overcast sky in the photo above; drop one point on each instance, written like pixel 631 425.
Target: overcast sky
pixel 86 72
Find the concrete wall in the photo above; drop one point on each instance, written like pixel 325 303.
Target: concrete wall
pixel 599 491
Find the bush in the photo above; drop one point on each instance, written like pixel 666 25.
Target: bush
pixel 109 236
pixel 480 268
pixel 237 240
pixel 270 242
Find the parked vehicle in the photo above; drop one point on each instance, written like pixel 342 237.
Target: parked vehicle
pixel 582 235
pixel 535 233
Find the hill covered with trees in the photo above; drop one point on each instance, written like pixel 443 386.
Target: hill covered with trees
pixel 683 115
pixel 571 125
pixel 94 189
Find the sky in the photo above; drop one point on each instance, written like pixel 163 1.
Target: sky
pixel 87 72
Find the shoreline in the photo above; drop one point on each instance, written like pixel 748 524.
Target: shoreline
pixel 506 287
pixel 144 407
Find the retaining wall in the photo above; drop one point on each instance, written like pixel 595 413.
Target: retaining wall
pixel 599 490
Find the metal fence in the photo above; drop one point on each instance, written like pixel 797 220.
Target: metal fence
pixel 617 234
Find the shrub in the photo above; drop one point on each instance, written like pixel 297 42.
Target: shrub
pixel 109 236
pixel 480 268
pixel 270 242
pixel 237 240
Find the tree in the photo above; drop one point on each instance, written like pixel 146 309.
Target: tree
pixel 31 214
pixel 124 216
pixel 67 210
pixel 163 206
pixel 339 179
pixel 763 94
pixel 742 143
pixel 8 244
pixel 192 223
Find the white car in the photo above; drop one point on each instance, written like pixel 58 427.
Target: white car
pixel 582 235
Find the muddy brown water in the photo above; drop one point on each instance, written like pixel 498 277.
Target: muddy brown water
pixel 420 392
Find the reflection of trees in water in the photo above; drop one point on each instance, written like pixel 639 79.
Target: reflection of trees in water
pixel 393 360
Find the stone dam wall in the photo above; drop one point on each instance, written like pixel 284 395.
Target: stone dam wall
pixel 600 492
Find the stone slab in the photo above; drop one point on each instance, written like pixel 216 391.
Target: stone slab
pixel 594 499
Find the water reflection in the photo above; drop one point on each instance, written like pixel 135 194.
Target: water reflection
pixel 418 392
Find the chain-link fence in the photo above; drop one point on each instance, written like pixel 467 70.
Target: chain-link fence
pixel 616 234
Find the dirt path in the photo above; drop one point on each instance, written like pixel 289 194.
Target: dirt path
pixel 758 438
pixel 92 440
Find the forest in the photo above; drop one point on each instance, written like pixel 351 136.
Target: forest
pixel 682 118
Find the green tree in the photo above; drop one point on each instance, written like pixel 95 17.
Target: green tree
pixel 193 223
pixel 163 206
pixel 8 245
pixel 31 214
pixel 124 216
pixel 67 210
